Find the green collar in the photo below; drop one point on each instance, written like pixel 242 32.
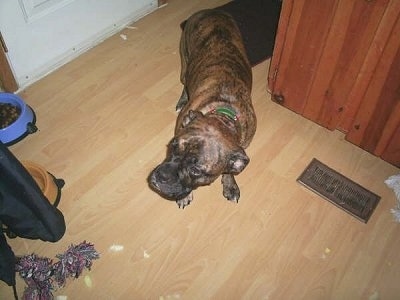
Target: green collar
pixel 226 111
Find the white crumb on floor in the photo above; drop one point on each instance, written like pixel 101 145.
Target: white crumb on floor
pixel 88 281
pixel 374 296
pixel 116 248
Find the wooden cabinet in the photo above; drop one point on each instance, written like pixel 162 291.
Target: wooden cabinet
pixel 337 62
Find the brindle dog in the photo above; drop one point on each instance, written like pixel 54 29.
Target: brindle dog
pixel 216 120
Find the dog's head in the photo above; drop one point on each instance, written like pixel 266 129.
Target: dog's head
pixel 198 154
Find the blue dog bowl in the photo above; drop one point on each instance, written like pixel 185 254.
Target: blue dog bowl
pixel 22 126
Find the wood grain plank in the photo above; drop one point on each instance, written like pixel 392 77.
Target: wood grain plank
pixel 367 71
pixel 365 20
pixel 299 60
pixel 322 105
pixel 381 97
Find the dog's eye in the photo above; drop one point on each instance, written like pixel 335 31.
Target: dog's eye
pixel 174 146
pixel 195 171
pixel 174 142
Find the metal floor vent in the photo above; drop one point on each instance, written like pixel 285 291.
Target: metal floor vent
pixel 339 190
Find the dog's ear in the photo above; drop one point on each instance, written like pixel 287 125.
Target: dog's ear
pixel 183 24
pixel 238 160
pixel 193 114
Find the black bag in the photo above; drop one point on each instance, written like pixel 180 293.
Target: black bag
pixel 24 211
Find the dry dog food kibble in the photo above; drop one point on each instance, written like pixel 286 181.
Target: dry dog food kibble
pixel 8 114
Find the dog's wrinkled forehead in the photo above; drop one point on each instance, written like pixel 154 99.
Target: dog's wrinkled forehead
pixel 186 143
pixel 187 147
pixel 197 150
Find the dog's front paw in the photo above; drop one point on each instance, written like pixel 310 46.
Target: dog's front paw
pixel 231 190
pixel 182 203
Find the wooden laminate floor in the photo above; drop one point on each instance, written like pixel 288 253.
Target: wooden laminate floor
pixel 105 120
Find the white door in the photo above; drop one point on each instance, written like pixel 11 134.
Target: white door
pixel 41 35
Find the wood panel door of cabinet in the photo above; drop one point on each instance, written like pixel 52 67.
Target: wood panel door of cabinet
pixel 336 62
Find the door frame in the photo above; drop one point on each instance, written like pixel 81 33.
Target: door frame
pixel 7 79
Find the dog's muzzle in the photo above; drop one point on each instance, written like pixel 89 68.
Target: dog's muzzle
pixel 165 181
